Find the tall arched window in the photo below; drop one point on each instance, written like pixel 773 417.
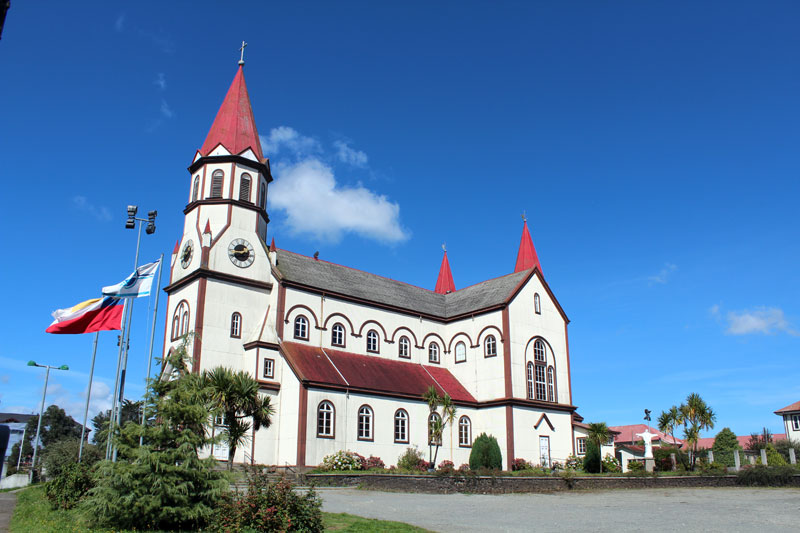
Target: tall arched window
pixel 301 328
pixel 337 335
pixel 401 426
pixel 538 351
pixel 262 200
pixel 551 389
pixel 541 387
pixel 464 432
pixel 404 348
pixel 433 353
pixel 537 304
pixel 372 341
pixel 195 188
pixel 244 188
pixel 529 380
pixel 365 423
pixel 326 420
pixel 236 325
pixel 216 184
pixel 180 320
pixel 461 352
pixel 434 421
pixel 490 346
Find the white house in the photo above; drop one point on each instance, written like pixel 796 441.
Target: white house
pixel 346 355
pixel 791 420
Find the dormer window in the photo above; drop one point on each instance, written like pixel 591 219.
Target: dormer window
pixel 372 341
pixel 216 184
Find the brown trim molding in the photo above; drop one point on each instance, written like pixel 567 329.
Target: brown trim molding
pixel 302 423
pixel 394 334
pixel 261 344
pixel 269 385
pixel 510 436
pixel 198 324
pixel 302 306
pixel 569 372
pixel 507 354
pixel 281 308
pixel 544 418
pixel 325 324
pixel 218 201
pixel 255 165
pixel 370 321
pixel 441 340
pixel 454 337
pixel 204 273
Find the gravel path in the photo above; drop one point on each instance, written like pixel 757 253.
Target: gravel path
pixel 8 500
pixel 674 510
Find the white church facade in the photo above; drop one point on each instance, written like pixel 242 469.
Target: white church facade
pixel 346 355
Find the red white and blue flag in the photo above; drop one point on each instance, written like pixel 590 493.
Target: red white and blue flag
pixel 98 314
pixel 136 285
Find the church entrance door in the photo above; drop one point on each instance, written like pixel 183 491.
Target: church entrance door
pixel 544 451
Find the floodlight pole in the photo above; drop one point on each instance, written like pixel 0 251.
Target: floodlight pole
pixel 88 397
pixel 150 352
pixel 41 411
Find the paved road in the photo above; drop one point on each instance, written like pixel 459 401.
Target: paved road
pixel 673 510
pixel 7 502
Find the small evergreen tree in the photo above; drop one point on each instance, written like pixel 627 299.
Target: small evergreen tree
pixel 724 445
pixel 591 461
pixel 485 453
pixel 164 484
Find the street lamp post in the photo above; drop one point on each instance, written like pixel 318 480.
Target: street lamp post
pixel 41 409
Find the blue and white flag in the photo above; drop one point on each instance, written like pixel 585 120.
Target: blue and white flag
pixel 136 285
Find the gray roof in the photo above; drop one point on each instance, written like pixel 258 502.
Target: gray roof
pixel 11 418
pixel 333 278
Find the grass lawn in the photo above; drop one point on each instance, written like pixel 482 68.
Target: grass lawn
pixel 33 513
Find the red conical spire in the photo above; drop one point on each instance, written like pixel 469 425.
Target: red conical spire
pixel 445 283
pixel 526 256
pixel 234 128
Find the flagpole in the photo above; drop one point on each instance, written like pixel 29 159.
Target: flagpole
pixel 112 416
pixel 150 354
pixel 88 395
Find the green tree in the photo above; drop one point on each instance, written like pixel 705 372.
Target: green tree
pixel 485 453
pixel 668 422
pixel 599 434
pixel 130 412
pixel 591 461
pixel 163 484
pixel 724 445
pixel 59 455
pixel 56 425
pixel 437 424
pixel 759 441
pixel 235 398
pixel 696 416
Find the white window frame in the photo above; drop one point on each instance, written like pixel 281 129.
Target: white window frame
pixel 365 418
pixel 795 422
pixel 433 353
pixel 236 325
pixel 490 346
pixel 580 446
pixel 464 432
pixel 301 328
pixel 404 348
pixel 401 426
pixel 537 304
pixel 373 341
pixel 337 334
pixel 461 352
pixel 269 368
pixel 326 420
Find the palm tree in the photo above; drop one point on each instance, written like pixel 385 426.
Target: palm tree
pixel 448 417
pixel 668 421
pixel 599 434
pixel 235 396
pixel 696 415
pixel 433 399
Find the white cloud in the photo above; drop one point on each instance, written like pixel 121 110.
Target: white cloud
pixel 82 204
pixel 119 24
pixel 286 138
pixel 664 274
pixel 316 204
pixel 75 403
pixel 763 320
pixel 357 158
pixel 160 81
pixel 166 110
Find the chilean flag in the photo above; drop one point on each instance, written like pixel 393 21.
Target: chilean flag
pixel 99 314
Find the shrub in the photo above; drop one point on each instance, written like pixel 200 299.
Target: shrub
pixel 774 458
pixel 268 506
pixel 611 464
pixel 783 448
pixel 446 467
pixel 342 460
pixel 591 461
pixel 714 469
pixel 485 453
pixel 463 468
pixel 635 465
pixel 411 459
pixel 724 444
pixel 70 485
pixel 520 464
pixel 765 476
pixel 64 453
pixel 373 462
pixel 573 462
pixel 663 461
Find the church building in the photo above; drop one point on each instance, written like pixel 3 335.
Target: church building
pixel 346 355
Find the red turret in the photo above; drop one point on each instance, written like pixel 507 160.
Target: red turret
pixel 234 128
pixel 526 256
pixel 445 283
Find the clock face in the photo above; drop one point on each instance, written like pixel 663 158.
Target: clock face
pixel 241 253
pixel 186 254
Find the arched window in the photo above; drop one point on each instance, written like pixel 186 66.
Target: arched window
pixel 216 184
pixel 433 353
pixel 301 328
pixel 541 387
pixel 551 389
pixel 537 304
pixel 403 348
pixel 262 200
pixel 365 423
pixel 538 351
pixel 464 432
pixel 236 325
pixel 401 426
pixel 530 380
pixel 434 427
pixel 195 188
pixel 244 188
pixel 490 346
pixel 180 320
pixel 372 341
pixel 461 352
pixel 326 420
pixel 337 335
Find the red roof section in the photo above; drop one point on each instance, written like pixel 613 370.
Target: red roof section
pixel 346 369
pixel 789 408
pixel 526 256
pixel 177 247
pixel 628 433
pixel 445 282
pixel 708 442
pixel 234 127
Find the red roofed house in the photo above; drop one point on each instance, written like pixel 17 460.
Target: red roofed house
pixel 791 420
pixel 627 443
pixel 346 355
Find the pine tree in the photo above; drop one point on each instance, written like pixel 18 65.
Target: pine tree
pixel 724 444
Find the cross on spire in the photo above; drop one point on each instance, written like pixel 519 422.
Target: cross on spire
pixel 241 48
pixel 524 216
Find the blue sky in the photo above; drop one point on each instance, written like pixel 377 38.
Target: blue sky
pixel 653 146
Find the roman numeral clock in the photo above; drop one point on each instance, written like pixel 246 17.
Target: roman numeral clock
pixel 241 253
